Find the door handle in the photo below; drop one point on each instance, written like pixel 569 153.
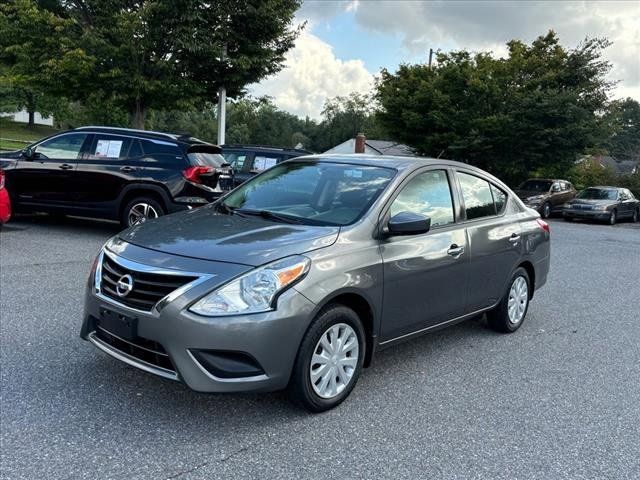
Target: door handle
pixel 128 169
pixel 66 166
pixel 514 238
pixel 455 251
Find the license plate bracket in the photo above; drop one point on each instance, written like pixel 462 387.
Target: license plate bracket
pixel 118 324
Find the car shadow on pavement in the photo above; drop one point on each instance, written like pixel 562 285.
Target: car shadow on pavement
pixel 162 401
pixel 62 222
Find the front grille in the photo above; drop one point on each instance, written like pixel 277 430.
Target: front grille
pixel 142 349
pixel 148 288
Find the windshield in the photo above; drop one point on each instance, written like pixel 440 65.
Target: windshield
pixel 316 193
pixel 536 186
pixel 599 194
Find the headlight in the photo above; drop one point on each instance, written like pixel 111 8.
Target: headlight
pixel 602 208
pixel 255 291
pixel 566 205
pixel 533 200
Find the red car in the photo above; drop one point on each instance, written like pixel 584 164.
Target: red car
pixel 5 202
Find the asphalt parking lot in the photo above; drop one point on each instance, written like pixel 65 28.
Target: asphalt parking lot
pixel 558 399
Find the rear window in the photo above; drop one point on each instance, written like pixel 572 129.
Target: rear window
pixel 206 159
pixel 160 148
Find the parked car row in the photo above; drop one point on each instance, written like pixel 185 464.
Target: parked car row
pixel 601 203
pixel 133 175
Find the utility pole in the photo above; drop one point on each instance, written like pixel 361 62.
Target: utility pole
pixel 430 57
pixel 222 105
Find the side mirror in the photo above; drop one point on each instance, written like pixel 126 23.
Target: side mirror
pixel 408 223
pixel 29 153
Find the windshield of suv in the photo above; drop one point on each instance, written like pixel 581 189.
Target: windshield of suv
pixel 598 194
pixel 319 193
pixel 535 186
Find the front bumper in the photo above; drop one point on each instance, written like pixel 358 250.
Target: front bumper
pixel 586 214
pixel 269 340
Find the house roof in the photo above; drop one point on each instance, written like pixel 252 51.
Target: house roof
pixel 618 166
pixel 375 147
pixel 386 147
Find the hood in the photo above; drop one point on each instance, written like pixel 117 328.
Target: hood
pixel 525 194
pixel 590 201
pixel 206 234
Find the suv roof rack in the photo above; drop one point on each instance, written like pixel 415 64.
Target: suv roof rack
pixel 149 133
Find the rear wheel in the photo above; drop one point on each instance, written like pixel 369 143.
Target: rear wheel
pixel 329 360
pixel 139 210
pixel 509 314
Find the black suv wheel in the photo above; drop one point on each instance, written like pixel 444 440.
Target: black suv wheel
pixel 139 210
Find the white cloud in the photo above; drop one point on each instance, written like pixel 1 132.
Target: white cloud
pixel 312 74
pixel 479 25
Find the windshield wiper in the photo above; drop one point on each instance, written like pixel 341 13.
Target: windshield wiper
pixel 269 215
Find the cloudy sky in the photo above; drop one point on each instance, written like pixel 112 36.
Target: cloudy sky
pixel 345 43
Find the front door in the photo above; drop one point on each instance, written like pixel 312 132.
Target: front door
pixel 48 178
pixel 425 277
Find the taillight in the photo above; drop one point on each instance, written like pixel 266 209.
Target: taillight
pixel 193 173
pixel 1 178
pixel 544 225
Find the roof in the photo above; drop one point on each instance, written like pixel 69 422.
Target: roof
pixel 150 134
pixel 618 166
pixel 264 148
pixel 386 147
pixel 375 147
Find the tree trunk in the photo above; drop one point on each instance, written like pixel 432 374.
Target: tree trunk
pixel 31 109
pixel 138 114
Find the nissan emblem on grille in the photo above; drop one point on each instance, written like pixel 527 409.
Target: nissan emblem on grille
pixel 124 285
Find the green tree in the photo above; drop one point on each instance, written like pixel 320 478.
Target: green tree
pixel 343 118
pixel 623 119
pixel 537 109
pixel 151 54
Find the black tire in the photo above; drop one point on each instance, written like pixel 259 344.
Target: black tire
pixel 636 216
pixel 546 210
pixel 498 318
pixel 126 213
pixel 613 217
pixel 301 390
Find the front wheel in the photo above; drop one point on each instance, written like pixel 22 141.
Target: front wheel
pixel 509 314
pixel 139 210
pixel 329 360
pixel 613 217
pixel 636 216
pixel 546 210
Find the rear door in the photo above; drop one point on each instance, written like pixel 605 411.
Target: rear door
pixel 493 236
pixel 627 203
pixel 49 177
pixel 425 276
pixel 104 170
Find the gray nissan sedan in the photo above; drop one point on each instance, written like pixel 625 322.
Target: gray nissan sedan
pixel 297 277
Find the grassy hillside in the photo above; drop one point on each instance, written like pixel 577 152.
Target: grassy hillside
pixel 11 131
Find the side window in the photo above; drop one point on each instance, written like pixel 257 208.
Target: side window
pixel 499 198
pixel 427 194
pixel 64 147
pixel 629 194
pixel 109 146
pixel 262 162
pixel 478 200
pixel 235 159
pixel 136 149
pixel 556 187
pixel 160 148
